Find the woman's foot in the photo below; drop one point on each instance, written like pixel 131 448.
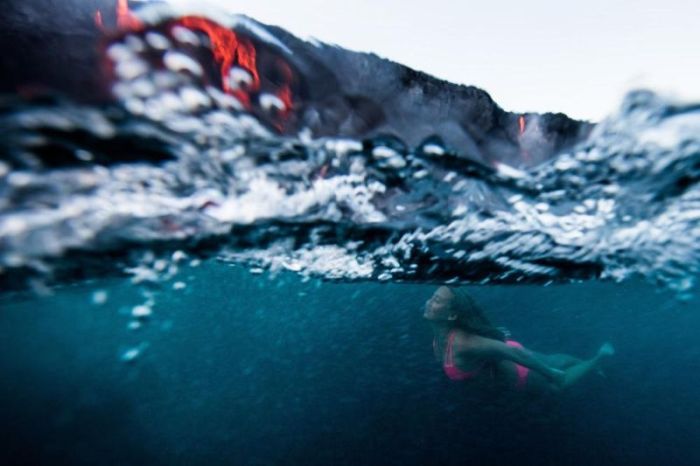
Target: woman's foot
pixel 606 350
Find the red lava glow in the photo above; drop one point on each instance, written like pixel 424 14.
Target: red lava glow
pixel 521 130
pixel 285 92
pixel 125 18
pixel 229 49
pixel 98 20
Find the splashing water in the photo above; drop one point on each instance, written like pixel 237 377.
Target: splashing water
pixel 253 158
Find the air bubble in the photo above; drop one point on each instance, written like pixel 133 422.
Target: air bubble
pixel 176 61
pixel 132 354
pixel 272 104
pixel 134 43
pixel 383 152
pixel 185 36
pixel 131 68
pixel 141 311
pixel 239 78
pixel 194 99
pixel 99 297
pixel 157 41
pixel 120 52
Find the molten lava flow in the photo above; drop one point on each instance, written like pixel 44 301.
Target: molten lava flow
pixel 125 18
pixel 521 129
pixel 229 50
pixel 98 20
pixel 285 95
pixel 285 92
pixel 236 60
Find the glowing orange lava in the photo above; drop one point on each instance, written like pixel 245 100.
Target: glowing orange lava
pixel 285 94
pixel 98 20
pixel 229 49
pixel 125 18
pixel 521 124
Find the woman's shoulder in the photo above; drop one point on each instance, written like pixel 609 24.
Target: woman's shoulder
pixel 464 341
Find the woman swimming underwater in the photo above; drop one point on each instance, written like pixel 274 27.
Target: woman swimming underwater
pixel 471 348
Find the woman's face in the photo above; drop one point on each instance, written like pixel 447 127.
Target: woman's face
pixel 439 306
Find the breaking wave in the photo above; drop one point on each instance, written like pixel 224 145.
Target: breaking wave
pixel 194 159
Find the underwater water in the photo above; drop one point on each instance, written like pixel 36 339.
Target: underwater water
pixel 238 368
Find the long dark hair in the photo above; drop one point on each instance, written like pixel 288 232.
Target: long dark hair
pixel 471 317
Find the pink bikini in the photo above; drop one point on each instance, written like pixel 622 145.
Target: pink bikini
pixel 455 373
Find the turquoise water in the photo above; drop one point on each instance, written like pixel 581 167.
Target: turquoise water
pixel 238 368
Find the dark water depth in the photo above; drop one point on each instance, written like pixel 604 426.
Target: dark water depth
pixel 240 369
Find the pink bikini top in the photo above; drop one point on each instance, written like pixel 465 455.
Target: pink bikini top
pixel 451 370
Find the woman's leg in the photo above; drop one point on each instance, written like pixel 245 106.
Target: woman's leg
pixel 559 361
pixel 574 369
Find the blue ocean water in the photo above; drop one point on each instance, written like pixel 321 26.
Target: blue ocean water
pixel 246 369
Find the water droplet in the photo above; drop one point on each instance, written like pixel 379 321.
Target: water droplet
pixel 240 79
pixel 185 36
pixel 194 99
pixel 99 297
pixel 383 152
pixel 134 43
pixel 178 62
pixel 119 52
pixel 131 354
pixel 449 177
pixel 157 41
pixel 84 155
pixel 131 68
pixel 134 325
pixel 142 87
pixel 135 106
pixel 141 311
pixel 396 162
pixel 459 211
pixel 19 179
pixel 272 104
pixel 433 149
pixel 178 256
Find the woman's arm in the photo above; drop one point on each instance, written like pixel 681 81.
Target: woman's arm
pixel 494 349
